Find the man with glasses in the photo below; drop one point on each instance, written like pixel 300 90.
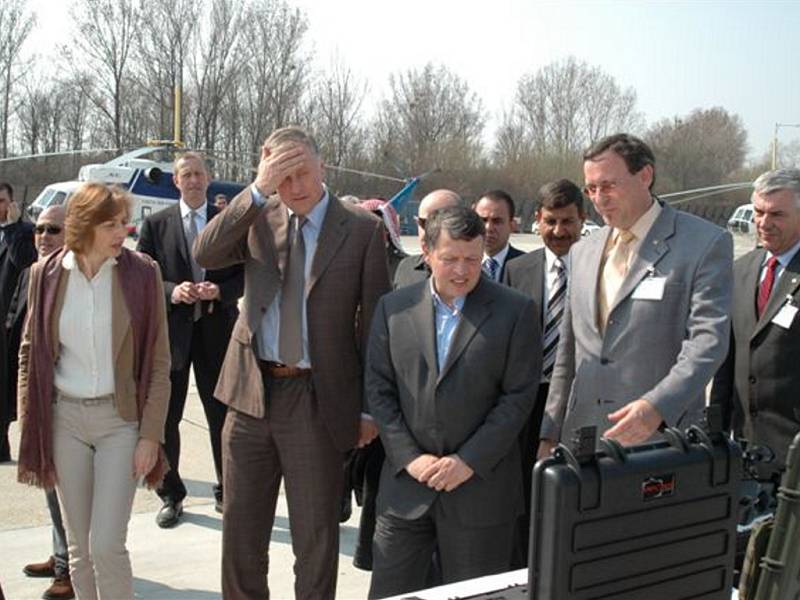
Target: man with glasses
pixel 646 321
pixel 17 252
pixel 413 269
pixel 49 237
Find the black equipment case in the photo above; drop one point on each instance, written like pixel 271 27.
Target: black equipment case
pixel 650 522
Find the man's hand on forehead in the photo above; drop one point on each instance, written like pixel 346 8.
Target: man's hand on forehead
pixel 277 164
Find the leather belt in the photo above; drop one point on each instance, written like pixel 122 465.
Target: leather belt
pixel 61 397
pixel 281 371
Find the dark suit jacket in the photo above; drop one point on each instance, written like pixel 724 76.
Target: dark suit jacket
pixel 411 270
pixel 526 274
pixel 15 320
pixel 758 383
pixel 17 253
pixel 511 255
pixel 475 406
pixel 162 237
pixel 348 275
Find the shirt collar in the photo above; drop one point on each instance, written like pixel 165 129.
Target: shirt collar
pixel 643 224
pixel 186 209
pixel 550 260
pixel 500 257
pixel 458 301
pixel 317 214
pixel 70 262
pixel 785 258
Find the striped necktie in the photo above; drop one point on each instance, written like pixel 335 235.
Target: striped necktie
pixel 555 310
pixel 490 267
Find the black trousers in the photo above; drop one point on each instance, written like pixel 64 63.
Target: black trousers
pixel 206 373
pixel 529 444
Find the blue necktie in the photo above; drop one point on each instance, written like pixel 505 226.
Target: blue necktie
pixel 490 268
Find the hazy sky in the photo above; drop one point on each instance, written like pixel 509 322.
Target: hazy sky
pixel 677 55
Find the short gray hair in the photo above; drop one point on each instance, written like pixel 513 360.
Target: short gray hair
pixel 461 223
pixel 294 134
pixel 777 180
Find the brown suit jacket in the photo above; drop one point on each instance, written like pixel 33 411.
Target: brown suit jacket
pixel 348 276
pixel 151 426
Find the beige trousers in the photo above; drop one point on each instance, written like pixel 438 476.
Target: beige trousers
pixel 93 450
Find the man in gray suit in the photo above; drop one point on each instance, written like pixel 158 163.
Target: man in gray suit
pixel 413 268
pixel 757 386
pixel 646 318
pixel 543 276
pixel 450 381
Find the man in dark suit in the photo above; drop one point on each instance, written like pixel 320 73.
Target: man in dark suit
pixel 758 383
pixel 450 381
pixel 292 377
pixel 543 276
pixel 201 311
pixel 496 209
pixel 413 268
pixel 17 252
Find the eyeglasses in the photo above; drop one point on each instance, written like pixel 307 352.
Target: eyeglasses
pixel 605 187
pixel 51 229
pixel 421 221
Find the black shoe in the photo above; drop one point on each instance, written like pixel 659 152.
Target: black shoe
pixel 170 514
pixel 218 505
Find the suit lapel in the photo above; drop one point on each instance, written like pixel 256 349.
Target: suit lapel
pixel 476 311
pixel 177 226
pixel 120 317
pixel 745 295
pixel 538 273
pixel 331 236
pixel 653 247
pixel 595 249
pixel 424 323
pixel 786 286
pixel 278 222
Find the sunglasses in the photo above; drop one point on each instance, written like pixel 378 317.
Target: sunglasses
pixel 421 221
pixel 51 229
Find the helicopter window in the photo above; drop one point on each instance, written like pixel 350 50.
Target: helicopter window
pixel 58 199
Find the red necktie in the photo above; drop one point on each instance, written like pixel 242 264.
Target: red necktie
pixel 765 289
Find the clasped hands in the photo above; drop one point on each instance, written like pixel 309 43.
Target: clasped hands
pixel 190 292
pixel 443 474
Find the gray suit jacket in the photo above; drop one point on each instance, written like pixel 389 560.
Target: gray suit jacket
pixel 758 384
pixel 411 270
pixel 526 274
pixel 665 351
pixel 348 275
pixel 475 406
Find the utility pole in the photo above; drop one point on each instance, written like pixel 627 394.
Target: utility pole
pixel 775 142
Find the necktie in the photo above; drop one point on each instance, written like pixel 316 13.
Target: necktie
pixel 614 272
pixel 552 321
pixel 290 343
pixel 197 272
pixel 490 267
pixel 765 288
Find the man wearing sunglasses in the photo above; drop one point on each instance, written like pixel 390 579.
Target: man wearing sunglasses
pixel 48 238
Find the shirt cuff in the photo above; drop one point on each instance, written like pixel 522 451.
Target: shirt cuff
pixel 367 416
pixel 258 198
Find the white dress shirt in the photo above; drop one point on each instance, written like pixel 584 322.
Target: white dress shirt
pixel 200 219
pixel 85 367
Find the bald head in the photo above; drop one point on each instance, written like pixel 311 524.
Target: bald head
pixel 50 230
pixel 434 201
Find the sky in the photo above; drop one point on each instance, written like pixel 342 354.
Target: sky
pixel 676 55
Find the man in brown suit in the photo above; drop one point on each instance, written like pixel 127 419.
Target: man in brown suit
pixel 292 376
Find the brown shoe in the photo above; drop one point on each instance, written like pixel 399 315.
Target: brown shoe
pixel 61 589
pixel 45 569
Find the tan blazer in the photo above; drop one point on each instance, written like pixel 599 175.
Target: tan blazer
pixel 348 275
pixel 151 426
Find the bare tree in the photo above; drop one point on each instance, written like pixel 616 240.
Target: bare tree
pixel 16 23
pixel 103 47
pixel 697 150
pixel 431 119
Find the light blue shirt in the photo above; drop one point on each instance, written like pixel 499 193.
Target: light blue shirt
pixel 268 334
pixel 446 318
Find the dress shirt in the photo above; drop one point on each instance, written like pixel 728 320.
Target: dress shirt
pixel 200 219
pixel 85 366
pixel 551 274
pixel 268 335
pixel 783 262
pixel 640 229
pixel 447 318
pixel 500 257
